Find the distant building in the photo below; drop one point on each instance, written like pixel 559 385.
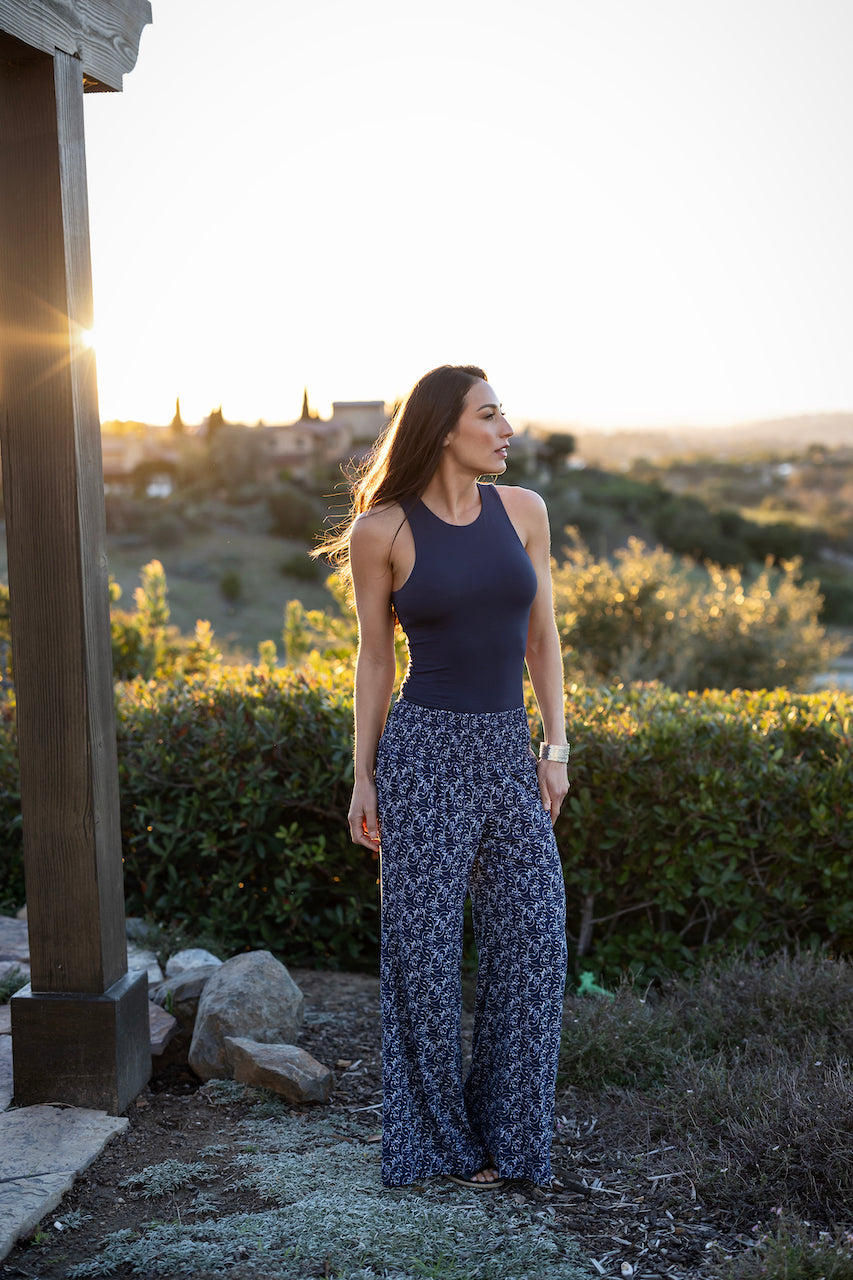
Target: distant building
pixel 312 440
pixel 122 454
pixel 136 455
pixel 365 418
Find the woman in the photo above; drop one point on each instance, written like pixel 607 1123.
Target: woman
pixel 448 790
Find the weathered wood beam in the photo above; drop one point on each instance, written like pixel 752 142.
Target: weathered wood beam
pixel 81 1006
pixel 102 34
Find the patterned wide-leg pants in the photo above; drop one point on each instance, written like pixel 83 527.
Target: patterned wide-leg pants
pixel 460 812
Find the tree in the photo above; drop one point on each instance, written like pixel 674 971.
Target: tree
pixel 215 422
pixel 177 425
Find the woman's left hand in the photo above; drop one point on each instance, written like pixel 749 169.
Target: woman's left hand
pixel 553 785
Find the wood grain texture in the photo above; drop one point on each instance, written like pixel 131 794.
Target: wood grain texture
pixel 53 491
pixel 85 1051
pixel 102 34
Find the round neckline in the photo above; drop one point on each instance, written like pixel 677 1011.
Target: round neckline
pixel 469 524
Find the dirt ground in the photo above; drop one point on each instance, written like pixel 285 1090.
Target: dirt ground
pixel 628 1224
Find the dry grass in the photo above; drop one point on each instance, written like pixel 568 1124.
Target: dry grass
pixel 739 1084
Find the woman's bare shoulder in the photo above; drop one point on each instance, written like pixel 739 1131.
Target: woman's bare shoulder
pixel 376 528
pixel 522 502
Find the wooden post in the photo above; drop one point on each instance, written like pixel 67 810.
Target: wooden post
pixel 80 1030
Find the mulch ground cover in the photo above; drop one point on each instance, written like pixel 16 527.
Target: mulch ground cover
pixel 625 1218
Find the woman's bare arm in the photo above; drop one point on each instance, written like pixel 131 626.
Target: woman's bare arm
pixel 544 656
pixel 375 667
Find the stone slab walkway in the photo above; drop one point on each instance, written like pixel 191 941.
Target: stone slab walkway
pixel 44 1148
pixel 5 1071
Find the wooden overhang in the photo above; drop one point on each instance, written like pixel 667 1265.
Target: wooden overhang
pixel 103 34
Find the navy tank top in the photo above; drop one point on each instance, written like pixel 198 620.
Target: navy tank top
pixel 465 609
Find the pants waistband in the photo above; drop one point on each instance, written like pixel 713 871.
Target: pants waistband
pixel 476 731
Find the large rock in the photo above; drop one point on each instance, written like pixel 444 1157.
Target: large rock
pixel 251 996
pixel 190 958
pixel 284 1068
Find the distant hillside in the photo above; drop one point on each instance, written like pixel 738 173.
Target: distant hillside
pixel 783 435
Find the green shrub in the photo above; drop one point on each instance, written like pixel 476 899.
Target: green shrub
pixel 12 982
pixel 705 820
pixel 647 616
pixel 694 823
pixel 294 513
pixel 11 866
pixel 301 566
pixel 235 786
pixel 144 643
pixel 231 586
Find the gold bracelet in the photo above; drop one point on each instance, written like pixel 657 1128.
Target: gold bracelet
pixel 553 751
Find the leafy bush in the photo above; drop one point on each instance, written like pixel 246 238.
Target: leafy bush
pixel 301 566
pixel 13 980
pixel 11 865
pixel 144 643
pixel 294 513
pixel 235 786
pixel 231 586
pixel 696 821
pixel 647 616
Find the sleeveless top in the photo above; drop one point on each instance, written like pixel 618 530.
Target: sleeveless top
pixel 465 609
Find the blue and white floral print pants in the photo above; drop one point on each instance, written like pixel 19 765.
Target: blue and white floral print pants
pixel 460 812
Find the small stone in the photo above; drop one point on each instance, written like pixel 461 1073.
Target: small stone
pixel 251 995
pixel 141 958
pixel 136 929
pixel 21 913
pixel 161 1027
pixel 14 940
pixel 191 958
pixel 284 1068
pixel 182 994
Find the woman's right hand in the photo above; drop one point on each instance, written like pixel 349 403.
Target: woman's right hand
pixel 363 818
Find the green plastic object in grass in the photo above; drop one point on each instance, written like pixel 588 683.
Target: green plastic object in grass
pixel 587 986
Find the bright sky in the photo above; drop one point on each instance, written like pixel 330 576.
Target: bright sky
pixel 630 212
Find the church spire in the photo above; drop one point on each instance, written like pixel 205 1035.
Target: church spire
pixel 306 412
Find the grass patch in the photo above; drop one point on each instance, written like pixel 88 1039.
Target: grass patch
pixel 741 1077
pixel 787 1254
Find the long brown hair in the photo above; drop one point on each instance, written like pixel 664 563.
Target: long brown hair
pixel 406 455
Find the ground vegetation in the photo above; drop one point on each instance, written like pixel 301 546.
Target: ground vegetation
pixel 703 1130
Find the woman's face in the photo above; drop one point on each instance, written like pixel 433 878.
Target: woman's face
pixel 480 439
